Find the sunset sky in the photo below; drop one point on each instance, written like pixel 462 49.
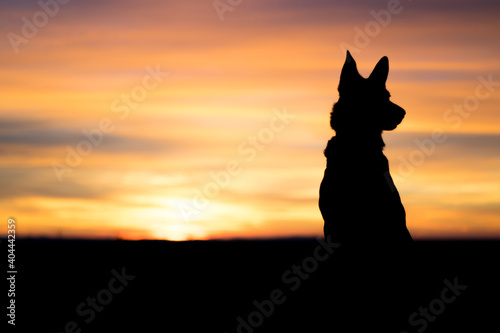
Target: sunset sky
pixel 179 120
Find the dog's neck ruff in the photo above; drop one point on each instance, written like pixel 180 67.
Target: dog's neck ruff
pixel 340 145
pixel 344 155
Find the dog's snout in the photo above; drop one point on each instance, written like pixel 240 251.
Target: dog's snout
pixel 394 117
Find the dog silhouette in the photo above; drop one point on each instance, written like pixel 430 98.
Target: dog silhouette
pixel 358 200
pixel 362 210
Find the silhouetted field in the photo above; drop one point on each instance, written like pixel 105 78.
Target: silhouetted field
pixel 245 286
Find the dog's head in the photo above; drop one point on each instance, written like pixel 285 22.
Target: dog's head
pixel 364 104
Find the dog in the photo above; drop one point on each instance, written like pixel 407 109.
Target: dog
pixel 362 210
pixel 358 200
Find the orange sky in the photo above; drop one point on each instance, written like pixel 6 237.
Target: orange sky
pixel 246 98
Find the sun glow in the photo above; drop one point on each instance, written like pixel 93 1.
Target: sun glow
pixel 178 232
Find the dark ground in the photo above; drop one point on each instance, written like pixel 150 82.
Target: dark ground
pixel 206 286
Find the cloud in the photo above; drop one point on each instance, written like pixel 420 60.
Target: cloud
pixel 39 137
pixel 26 182
pixel 40 134
pixel 18 124
pixel 456 144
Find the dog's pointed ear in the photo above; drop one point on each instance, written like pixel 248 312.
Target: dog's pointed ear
pixel 349 70
pixel 380 72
